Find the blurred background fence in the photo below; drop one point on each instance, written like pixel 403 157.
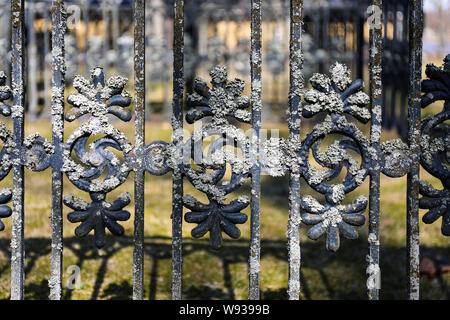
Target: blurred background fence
pixel 100 32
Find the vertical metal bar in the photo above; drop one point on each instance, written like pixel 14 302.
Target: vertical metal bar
pixel 148 67
pixel 360 44
pixel 115 32
pixel 404 87
pixel 46 61
pixel 376 89
pixel 139 133
pixel 18 87
pixel 31 76
pixel 7 29
pixel 415 77
pixel 86 35
pixel 106 21
pixel 58 75
pixel 255 65
pixel 325 36
pixel 177 125
pixel 295 93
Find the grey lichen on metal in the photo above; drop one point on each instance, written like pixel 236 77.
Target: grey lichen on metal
pixel 336 95
pixel 34 153
pixel 98 98
pixel 98 214
pixel 223 100
pixel 6 136
pixel 85 165
pixel 395 158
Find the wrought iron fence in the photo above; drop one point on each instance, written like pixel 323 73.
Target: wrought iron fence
pixel 102 166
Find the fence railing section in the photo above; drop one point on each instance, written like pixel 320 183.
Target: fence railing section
pixel 97 170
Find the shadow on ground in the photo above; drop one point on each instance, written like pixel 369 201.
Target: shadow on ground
pixel 333 271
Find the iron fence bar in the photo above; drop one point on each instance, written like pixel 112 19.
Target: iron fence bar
pixel 106 23
pixel 86 35
pixel 404 87
pixel 18 87
pixel 5 7
pixel 177 125
pixel 386 116
pixel 325 43
pixel 139 133
pixel 256 105
pixel 58 83
pixel 46 66
pixel 31 75
pixel 296 86
pixel 415 78
pixel 359 35
pixel 376 89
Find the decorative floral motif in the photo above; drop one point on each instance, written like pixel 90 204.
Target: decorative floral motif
pixel 336 95
pixel 97 215
pixel 221 101
pixel 215 218
pixel 435 146
pixel 85 164
pixel 91 162
pixel 333 219
pixel 98 99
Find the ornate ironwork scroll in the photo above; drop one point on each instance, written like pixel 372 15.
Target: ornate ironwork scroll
pixel 221 101
pixel 435 146
pixel 85 164
pixel 34 153
pixel 97 156
pixel 337 96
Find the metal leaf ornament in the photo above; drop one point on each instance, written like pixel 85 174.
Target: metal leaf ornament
pixel 98 215
pixel 6 136
pixel 435 146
